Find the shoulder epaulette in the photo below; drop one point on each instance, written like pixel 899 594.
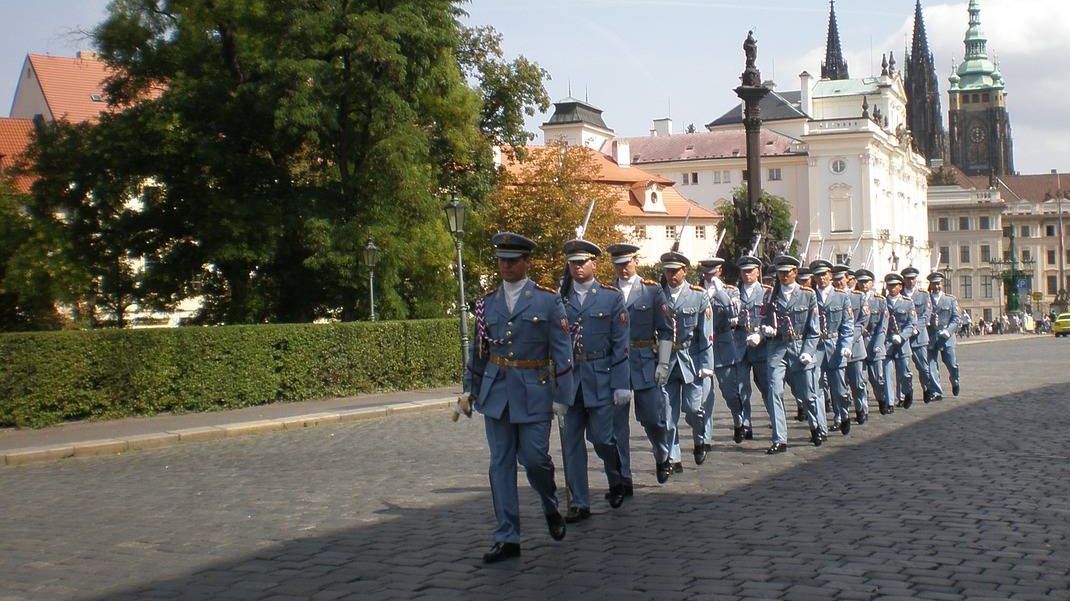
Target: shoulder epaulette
pixel 651 283
pixel 806 288
pixel 697 288
pixel 608 287
pixel 489 293
pixel 730 286
pixel 856 292
pixel 546 289
pixel 767 286
pixel 880 296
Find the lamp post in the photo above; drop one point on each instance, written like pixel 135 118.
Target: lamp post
pixel 371 257
pixel 455 219
pixel 1010 275
pixel 1061 288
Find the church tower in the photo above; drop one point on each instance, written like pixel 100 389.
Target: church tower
pixel 924 118
pixel 979 127
pixel 833 67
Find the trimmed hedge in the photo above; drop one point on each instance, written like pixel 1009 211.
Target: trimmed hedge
pixel 49 377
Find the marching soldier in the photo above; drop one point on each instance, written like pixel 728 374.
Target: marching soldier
pixel 843 279
pixel 651 333
pixel 919 345
pixel 803 279
pixel 874 332
pixel 519 375
pixel 724 302
pixel 753 297
pixel 691 358
pixel 943 331
pixel 791 328
pixel 902 326
pixel 601 379
pixel 834 349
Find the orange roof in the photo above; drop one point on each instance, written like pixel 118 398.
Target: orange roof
pixel 631 182
pixel 15 136
pixel 70 86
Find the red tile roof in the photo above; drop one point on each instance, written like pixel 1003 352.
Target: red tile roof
pixel 70 84
pixel 1035 188
pixel 631 183
pixel 15 136
pixel 704 145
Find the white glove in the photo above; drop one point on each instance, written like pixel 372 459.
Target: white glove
pixel 768 331
pixel 806 359
pixel 754 339
pixel 945 334
pixel 897 339
pixel 733 322
pixel 847 353
pixel 705 373
pixel 560 409
pixel 661 374
pixel 622 397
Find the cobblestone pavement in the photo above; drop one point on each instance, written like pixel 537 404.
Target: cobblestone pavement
pixel 968 498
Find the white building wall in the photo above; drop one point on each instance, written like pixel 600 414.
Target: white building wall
pixel 29 99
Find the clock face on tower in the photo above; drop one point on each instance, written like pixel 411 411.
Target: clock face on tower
pixel 977 134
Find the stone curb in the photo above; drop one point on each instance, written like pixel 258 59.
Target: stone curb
pixel 115 446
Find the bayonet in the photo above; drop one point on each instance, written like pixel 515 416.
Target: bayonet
pixel 791 238
pixel 680 233
pixel 720 239
pixel 754 249
pixel 582 230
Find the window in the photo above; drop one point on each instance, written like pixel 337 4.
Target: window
pixel 1006 255
pixel 1007 231
pixel 694 177
pixel 1025 231
pixel 985 97
pixel 700 232
pixel 1051 257
pixel 726 177
pixel 984 223
pixel 716 177
pixel 988 314
pixel 965 99
pixel 976 98
pixel 640 232
pixel 1053 284
pixel 943 224
pixel 964 223
pixel 774 174
pixel 685 178
pixel 746 174
pixel 986 253
pixel 838 166
pixel 1027 255
pixel 964 254
pixel 986 286
pixel 1049 231
pixel 841 258
pixel 966 286
pixel 945 252
pixel 670 232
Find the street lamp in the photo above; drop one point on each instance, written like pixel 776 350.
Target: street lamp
pixel 455 219
pixel 1009 274
pixel 1061 288
pixel 371 257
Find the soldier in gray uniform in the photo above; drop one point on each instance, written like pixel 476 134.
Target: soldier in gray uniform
pixel 601 379
pixel 803 279
pixel 874 332
pixel 842 279
pixel 692 354
pixel 919 345
pixel 791 328
pixel 837 339
pixel 724 301
pixel 753 298
pixel 902 326
pixel 519 375
pixel 943 331
pixel 648 324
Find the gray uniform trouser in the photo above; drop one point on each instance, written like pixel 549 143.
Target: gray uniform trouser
pixel 688 399
pixel 652 411
pixel 856 378
pixel 528 443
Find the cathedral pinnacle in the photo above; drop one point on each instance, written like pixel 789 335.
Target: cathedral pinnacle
pixel 834 66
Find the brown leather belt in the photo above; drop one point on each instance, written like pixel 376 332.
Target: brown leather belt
pixel 520 363
pixel 679 345
pixel 644 343
pixel 588 356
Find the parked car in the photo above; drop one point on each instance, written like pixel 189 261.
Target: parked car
pixel 1061 327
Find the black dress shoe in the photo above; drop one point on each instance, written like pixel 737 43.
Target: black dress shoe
pixel 501 552
pixel 908 399
pixel 677 467
pixel 748 433
pixel 577 515
pixel 777 447
pixel 737 434
pixel 800 414
pixel 862 418
pixel 845 426
pixel 816 438
pixel 663 471
pixel 891 409
pixel 700 453
pixel 937 397
pixel 926 396
pixel 954 388
pixel 884 410
pixel 628 488
pixel 615 496
pixel 556 523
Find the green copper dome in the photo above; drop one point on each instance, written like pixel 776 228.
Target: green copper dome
pixel 977 72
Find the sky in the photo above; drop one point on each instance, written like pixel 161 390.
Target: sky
pixel 640 60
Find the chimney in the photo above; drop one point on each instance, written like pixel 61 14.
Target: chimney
pixel 88 55
pixel 663 127
pixel 622 152
pixel 806 101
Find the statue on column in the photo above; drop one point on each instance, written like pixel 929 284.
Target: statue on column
pixel 751 76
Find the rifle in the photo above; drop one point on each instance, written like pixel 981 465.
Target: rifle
pixel 806 250
pixel 821 249
pixel 754 249
pixel 717 247
pixel 851 252
pixel 676 244
pixel 566 276
pixel 791 238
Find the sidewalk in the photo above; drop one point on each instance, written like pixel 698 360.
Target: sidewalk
pixel 87 438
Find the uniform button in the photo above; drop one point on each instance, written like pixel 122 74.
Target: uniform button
pixel 508 333
pixel 509 324
pixel 511 353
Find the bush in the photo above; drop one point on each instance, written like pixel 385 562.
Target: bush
pixel 49 377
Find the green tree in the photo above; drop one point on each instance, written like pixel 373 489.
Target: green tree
pixel 773 215
pixel 26 295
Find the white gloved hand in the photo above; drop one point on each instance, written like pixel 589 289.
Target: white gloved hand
pixel 897 339
pixel 560 409
pixel 847 353
pixel 661 374
pixel 945 334
pixel 705 373
pixel 768 331
pixel 733 322
pixel 622 397
pixel 754 339
pixel 806 359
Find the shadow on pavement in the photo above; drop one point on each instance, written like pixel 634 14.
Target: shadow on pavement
pixel 968 503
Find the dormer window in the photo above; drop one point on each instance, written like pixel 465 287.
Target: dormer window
pixel 96 98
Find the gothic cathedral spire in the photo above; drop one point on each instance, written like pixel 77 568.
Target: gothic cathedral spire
pixel 833 67
pixel 924 118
